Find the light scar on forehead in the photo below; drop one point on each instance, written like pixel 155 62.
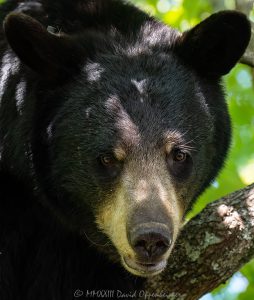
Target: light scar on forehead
pixel 141 85
pixel 128 131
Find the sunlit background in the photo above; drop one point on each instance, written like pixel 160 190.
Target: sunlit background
pixel 239 169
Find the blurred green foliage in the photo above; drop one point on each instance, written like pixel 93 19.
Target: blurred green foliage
pixel 239 168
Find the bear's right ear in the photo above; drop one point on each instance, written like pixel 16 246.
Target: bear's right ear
pixel 52 56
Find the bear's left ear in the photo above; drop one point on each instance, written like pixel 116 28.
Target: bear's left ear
pixel 215 45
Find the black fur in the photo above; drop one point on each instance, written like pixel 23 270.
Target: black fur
pixel 56 120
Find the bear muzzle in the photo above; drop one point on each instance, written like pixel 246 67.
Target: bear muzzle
pixel 150 242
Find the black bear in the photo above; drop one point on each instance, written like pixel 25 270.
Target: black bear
pixel 111 125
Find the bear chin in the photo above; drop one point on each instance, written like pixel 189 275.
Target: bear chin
pixel 143 269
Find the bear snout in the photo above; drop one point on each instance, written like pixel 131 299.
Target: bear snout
pixel 150 241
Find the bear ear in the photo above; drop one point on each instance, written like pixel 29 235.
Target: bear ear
pixel 215 45
pixel 50 55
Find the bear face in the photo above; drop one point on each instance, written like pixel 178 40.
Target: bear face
pixel 128 126
pixel 133 160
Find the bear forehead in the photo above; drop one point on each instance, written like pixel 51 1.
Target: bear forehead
pixel 157 80
pixel 142 98
pixel 137 119
pixel 128 125
pixel 156 77
pixel 158 65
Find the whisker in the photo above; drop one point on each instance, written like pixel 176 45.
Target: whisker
pixel 94 243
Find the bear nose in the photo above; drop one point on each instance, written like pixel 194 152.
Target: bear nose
pixel 150 243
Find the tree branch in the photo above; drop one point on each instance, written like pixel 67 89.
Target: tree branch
pixel 248 57
pixel 245 6
pixel 210 249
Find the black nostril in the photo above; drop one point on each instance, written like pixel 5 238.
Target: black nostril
pixel 150 244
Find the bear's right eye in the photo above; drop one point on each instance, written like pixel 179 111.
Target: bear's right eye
pixel 107 160
pixel 109 166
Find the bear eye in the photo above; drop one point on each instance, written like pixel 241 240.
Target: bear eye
pixel 107 160
pixel 179 155
pixel 108 167
pixel 179 164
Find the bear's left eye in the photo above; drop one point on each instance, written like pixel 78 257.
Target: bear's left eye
pixel 179 164
pixel 179 155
